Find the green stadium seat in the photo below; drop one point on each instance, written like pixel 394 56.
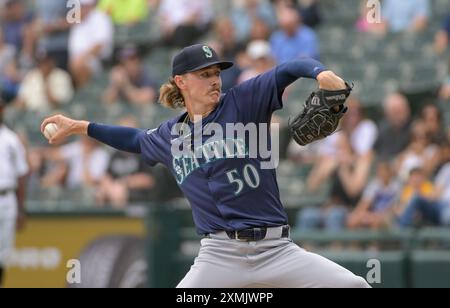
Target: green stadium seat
pixel 339 12
pixel 430 269
pixel 436 236
pixel 142 33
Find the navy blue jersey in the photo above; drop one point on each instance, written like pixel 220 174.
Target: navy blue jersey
pixel 226 192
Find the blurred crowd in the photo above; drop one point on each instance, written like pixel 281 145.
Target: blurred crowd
pixel 388 170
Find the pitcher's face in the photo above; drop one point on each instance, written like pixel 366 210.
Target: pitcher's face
pixel 204 85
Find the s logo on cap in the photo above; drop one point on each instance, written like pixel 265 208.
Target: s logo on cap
pixel 208 52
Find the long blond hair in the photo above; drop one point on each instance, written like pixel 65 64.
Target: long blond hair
pixel 170 95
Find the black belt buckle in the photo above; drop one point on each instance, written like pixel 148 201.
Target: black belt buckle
pixel 253 234
pixel 285 231
pixel 258 234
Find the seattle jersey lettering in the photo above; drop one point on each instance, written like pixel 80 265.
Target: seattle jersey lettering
pixel 209 152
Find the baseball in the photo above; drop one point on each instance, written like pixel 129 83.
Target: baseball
pixel 50 130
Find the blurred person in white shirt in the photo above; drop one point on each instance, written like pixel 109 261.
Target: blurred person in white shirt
pixel 420 152
pixel 46 87
pixel 405 15
pixel 13 174
pixel 90 42
pixel 324 154
pixel 80 165
pixel 183 21
pixel 363 132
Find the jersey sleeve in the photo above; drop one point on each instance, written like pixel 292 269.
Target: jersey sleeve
pixel 256 99
pixel 153 144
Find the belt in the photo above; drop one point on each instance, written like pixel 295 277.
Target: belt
pixel 253 234
pixel 5 191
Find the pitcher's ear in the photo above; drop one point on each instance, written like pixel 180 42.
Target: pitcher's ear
pixel 180 81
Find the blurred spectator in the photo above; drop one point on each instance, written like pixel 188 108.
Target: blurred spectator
pixel 294 39
pixel 46 172
pixel 306 155
pixel 322 155
pixel 90 43
pixel 85 163
pixel 435 211
pixel 284 3
pixel 330 218
pixel 260 58
pixel 432 118
pixel 363 132
pixel 38 167
pixel 350 173
pixel 128 178
pixel 229 49
pixel 417 184
pixel 9 74
pixel 442 37
pixel 405 15
pixel 13 177
pixel 17 26
pixel 444 92
pixel 53 30
pixel 423 203
pixel 125 12
pixel 363 24
pixel 244 15
pixel 184 21
pixel 394 130
pixel 128 81
pixel 226 34
pixel 7 53
pixel 444 156
pixel 308 10
pixel 46 87
pixel 375 207
pixel 420 153
pixel 259 30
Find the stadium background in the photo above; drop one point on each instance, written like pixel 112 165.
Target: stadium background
pixel 117 242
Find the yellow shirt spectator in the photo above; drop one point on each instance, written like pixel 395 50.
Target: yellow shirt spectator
pixel 125 12
pixel 425 190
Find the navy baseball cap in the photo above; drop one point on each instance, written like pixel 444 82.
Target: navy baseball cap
pixel 196 57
